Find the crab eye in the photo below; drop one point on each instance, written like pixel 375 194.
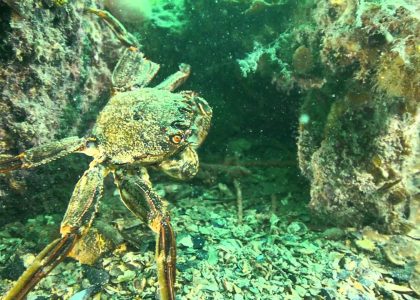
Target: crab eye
pixel 176 139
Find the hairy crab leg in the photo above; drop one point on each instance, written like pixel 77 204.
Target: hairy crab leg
pixel 137 194
pixel 133 70
pixel 43 264
pixel 123 35
pixel 176 79
pixel 78 218
pixel 42 154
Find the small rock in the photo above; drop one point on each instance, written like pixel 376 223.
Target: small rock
pixel 186 241
pixel 260 258
pixel 334 233
pixel 198 242
pixel 402 274
pixel 202 255
pixel 297 228
pixel 86 293
pixel 213 256
pixel 307 248
pixel 211 286
pixel 238 297
pixel 28 259
pixel 415 283
pixel 395 287
pixel 13 268
pixel 95 275
pixel 115 271
pixel 127 276
pixel 400 249
pixel 366 245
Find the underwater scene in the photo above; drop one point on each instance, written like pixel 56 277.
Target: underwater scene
pixel 209 149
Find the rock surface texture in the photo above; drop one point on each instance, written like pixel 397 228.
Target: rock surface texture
pixel 360 148
pixel 53 79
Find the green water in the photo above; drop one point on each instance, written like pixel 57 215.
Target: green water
pixel 308 181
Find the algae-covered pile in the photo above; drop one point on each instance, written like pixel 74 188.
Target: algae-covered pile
pixel 307 185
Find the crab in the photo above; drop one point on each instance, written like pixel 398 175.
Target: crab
pixel 140 127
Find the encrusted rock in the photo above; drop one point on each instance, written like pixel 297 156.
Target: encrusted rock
pixel 54 77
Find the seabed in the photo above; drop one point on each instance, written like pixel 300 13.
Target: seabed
pixel 277 251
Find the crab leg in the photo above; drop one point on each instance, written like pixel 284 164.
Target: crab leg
pixel 43 264
pixel 176 79
pixel 123 35
pixel 133 70
pixel 42 154
pixel 79 216
pixel 137 194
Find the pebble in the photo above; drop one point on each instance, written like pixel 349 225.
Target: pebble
pixel 366 245
pixel 198 242
pixel 238 297
pixel 186 241
pixel 127 276
pixel 297 228
pixel 334 233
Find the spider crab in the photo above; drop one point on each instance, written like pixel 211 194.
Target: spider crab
pixel 139 127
